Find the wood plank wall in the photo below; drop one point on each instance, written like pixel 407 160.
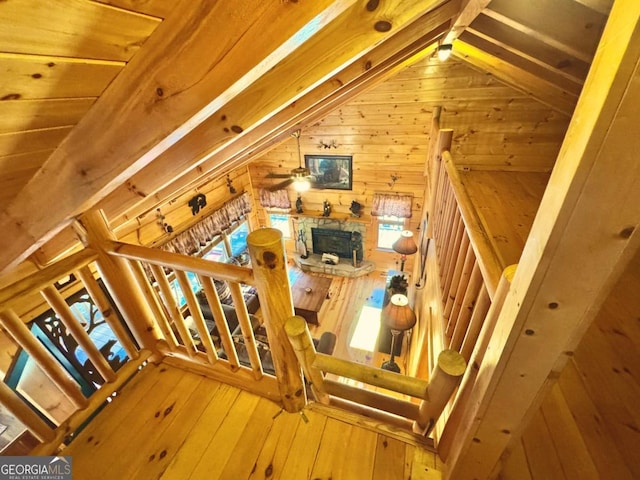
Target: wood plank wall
pixel 386 130
pixel 589 425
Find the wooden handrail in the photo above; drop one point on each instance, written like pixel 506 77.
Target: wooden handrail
pixel 414 387
pixel 176 261
pixel 42 278
pixel 485 252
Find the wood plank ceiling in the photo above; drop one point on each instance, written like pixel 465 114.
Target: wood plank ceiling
pixel 146 115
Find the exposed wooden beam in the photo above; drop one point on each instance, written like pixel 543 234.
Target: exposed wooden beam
pixel 470 10
pixel 521 60
pixel 176 165
pixel 587 234
pixel 198 59
pixel 572 28
pixel 543 91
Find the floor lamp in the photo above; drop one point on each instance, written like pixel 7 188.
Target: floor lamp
pixel 398 316
pixel 405 245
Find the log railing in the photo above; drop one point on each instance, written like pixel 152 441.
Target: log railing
pixel 417 418
pixel 468 264
pixel 30 412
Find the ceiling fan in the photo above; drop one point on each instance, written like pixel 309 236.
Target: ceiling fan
pixel 299 176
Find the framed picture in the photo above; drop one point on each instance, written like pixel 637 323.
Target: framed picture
pixel 329 171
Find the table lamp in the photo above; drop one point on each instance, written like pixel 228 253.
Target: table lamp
pixel 398 316
pixel 405 245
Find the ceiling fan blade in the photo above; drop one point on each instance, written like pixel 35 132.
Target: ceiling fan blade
pixel 278 175
pixel 280 186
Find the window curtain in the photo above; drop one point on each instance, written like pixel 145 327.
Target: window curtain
pixel 277 199
pixel 192 240
pixel 392 205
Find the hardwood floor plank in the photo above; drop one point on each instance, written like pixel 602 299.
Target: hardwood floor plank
pixel 360 461
pixel 304 448
pixel 100 431
pixel 333 451
pixel 192 449
pixel 129 455
pixel 226 439
pixel 243 458
pixel 158 454
pixel 275 451
pixel 389 462
pixel 141 423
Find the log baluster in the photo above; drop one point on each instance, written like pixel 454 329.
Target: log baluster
pixel 23 336
pixel 73 326
pixel 302 343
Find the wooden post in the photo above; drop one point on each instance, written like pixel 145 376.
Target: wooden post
pixel 447 302
pixel 463 398
pixel 247 329
pixel 117 274
pixel 172 309
pixel 480 311
pixel 444 380
pixel 443 143
pixel 101 301
pixel 196 314
pixel 465 311
pixel 66 316
pixel 220 320
pixel 24 414
pixel 302 343
pixel 270 273
pixel 21 334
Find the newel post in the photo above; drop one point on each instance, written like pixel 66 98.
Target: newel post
pixel 269 263
pixel 300 338
pixel 443 381
pixel 117 274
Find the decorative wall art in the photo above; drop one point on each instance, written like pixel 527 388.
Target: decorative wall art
pixel 329 171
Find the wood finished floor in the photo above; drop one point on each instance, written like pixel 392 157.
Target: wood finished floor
pixel 171 424
pixel 340 312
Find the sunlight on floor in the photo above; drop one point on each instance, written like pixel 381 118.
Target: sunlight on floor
pixel 367 328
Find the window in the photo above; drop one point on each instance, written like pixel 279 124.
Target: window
pixel 217 253
pixel 238 239
pixel 389 229
pixel 281 222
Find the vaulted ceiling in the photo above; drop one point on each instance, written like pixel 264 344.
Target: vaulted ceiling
pixel 120 104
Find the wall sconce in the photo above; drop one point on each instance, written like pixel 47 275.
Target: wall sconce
pixel 231 188
pixel 444 51
pixel 160 219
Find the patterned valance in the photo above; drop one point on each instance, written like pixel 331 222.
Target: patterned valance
pixel 276 199
pixel 192 240
pixel 392 205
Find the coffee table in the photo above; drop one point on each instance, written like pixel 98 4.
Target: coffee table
pixel 308 294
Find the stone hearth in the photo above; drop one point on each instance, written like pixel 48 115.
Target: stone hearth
pixel 344 268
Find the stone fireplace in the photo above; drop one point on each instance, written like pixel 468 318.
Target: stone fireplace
pixel 342 238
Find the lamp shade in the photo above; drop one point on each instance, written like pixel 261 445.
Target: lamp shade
pixel 397 314
pixel 405 245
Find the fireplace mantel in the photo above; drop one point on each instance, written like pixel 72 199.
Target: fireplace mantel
pixel 344 268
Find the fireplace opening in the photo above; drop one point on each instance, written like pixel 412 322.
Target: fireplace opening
pixel 338 242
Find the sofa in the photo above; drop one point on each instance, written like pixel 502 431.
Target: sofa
pixel 250 298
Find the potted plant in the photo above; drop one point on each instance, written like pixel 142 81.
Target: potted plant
pixel 397 284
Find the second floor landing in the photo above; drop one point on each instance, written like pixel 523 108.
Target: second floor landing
pixel 168 423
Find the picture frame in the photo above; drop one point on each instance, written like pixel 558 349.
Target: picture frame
pixel 333 172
